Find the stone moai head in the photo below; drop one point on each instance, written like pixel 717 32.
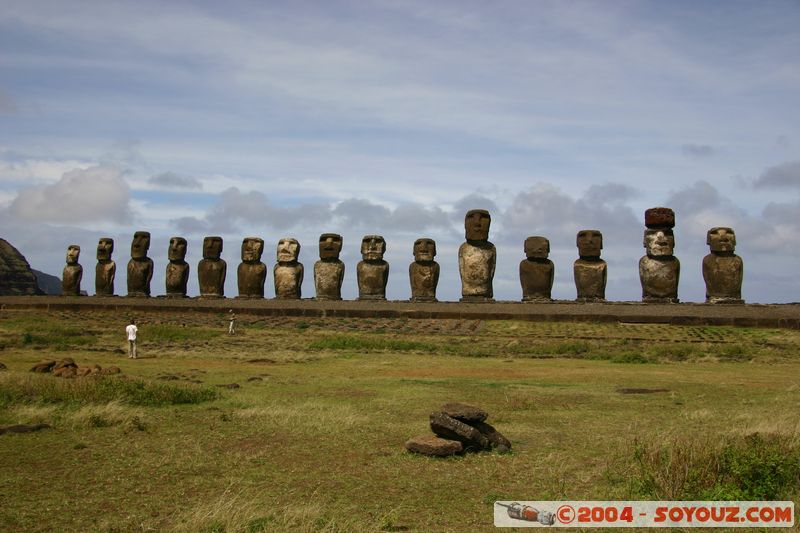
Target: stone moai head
pixel 537 248
pixel 330 246
pixel 140 245
pixel 476 224
pixel 373 247
pixel 73 254
pixel 289 250
pixel 252 248
pixel 212 247
pixel 721 240
pixel 589 242
pixel 105 247
pixel 659 242
pixel 424 249
pixel 177 249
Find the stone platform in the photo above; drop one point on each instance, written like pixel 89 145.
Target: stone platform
pixel 695 314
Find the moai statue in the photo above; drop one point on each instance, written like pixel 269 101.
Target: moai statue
pixel 659 270
pixel 536 272
pixel 372 272
pixel 288 272
pixel 106 269
pixel 177 269
pixel 477 258
pixel 140 267
pixel 211 270
pixel 329 270
pixel 252 273
pixel 589 270
pixel 424 271
pixel 73 272
pixel 723 270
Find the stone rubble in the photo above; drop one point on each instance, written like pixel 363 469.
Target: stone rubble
pixel 458 427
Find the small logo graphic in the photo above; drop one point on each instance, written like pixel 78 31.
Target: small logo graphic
pixel 566 514
pixel 517 511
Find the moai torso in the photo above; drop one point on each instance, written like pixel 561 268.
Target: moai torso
pixel 177 275
pixel 251 273
pixel 477 258
pixel 288 272
pixel 723 270
pixel 590 272
pixel 106 269
pixel 73 272
pixel 372 273
pixel 659 270
pixel 536 272
pixel 212 269
pixel 423 273
pixel 140 267
pixel 329 270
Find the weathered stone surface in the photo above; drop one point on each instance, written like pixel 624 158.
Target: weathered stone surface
pixel 495 438
pixel 212 269
pixel 16 276
pixel 435 446
pixel 43 367
pixel 329 270
pixel 723 270
pixel 65 363
pixel 140 267
pixel 589 271
pixel 288 272
pixel 106 269
pixel 659 218
pixel 73 272
pixel 109 370
pixel 23 428
pixel 423 273
pixel 536 272
pixel 372 273
pixel 66 372
pixel 465 412
pixel 83 371
pixel 659 270
pixel 252 273
pixel 477 258
pixel 177 276
pixel 447 427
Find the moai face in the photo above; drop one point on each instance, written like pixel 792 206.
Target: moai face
pixel 252 248
pixel 289 250
pixel 105 247
pixel 177 249
pixel 537 248
pixel 721 240
pixel 140 244
pixel 73 254
pixel 372 247
pixel 424 250
pixel 212 247
pixel 589 242
pixel 330 246
pixel 659 242
pixel 476 224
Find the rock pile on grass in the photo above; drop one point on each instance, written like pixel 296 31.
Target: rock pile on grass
pixel 457 428
pixel 67 368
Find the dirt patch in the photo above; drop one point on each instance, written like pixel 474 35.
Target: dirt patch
pixel 640 391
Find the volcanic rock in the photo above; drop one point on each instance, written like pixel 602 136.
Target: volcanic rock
pixel 44 367
pixel 23 428
pixel 66 372
pixel 430 445
pixel 447 427
pixel 659 218
pixel 16 276
pixel 495 438
pixel 67 362
pixel 465 412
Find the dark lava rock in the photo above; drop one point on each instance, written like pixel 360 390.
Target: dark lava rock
pixel 465 412
pixel 44 367
pixel 16 276
pixel 23 428
pixel 447 427
pixel 430 445
pixel 496 439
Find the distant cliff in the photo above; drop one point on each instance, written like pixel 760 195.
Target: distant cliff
pixel 47 283
pixel 16 276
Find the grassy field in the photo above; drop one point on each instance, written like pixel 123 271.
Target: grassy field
pixel 312 438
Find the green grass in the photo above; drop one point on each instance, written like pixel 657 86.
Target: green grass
pixel 312 440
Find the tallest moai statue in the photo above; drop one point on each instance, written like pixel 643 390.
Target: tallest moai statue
pixel 477 258
pixel 659 270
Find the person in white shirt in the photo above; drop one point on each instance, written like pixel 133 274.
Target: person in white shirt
pixel 131 330
pixel 232 325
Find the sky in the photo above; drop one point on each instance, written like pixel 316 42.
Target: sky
pixel 292 119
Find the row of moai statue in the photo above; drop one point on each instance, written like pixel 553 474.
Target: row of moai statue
pixel 659 269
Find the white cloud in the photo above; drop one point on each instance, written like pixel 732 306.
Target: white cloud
pixel 94 194
pixel 171 180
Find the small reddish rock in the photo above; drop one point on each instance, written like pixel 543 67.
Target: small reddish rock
pixel 430 445
pixel 659 217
